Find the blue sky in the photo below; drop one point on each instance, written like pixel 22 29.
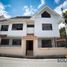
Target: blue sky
pixel 12 8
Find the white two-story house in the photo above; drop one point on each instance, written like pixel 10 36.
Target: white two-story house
pixel 31 35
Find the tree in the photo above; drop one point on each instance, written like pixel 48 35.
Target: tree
pixel 65 18
pixel 62 32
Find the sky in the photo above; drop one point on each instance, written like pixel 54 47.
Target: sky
pixel 13 8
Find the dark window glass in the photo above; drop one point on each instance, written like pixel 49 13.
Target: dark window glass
pixel 66 21
pixel 46 15
pixel 61 44
pixel 17 27
pixel 46 43
pixel 16 42
pixel 46 26
pixel 4 41
pixel 30 25
pixel 4 28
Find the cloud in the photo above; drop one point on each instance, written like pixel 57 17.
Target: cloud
pixel 57 1
pixel 29 10
pixel 58 8
pixel 3 11
pixel 42 3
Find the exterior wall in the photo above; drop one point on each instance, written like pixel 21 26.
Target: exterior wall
pixel 14 50
pixel 37 51
pixel 14 33
pixel 48 51
pixel 38 32
pixel 46 33
pixel 54 20
pixel 3 32
pixel 37 29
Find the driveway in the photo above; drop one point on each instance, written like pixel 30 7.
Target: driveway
pixel 22 62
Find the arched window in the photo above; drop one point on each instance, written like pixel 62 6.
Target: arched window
pixel 45 14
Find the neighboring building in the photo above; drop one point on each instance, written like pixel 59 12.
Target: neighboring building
pixel 25 35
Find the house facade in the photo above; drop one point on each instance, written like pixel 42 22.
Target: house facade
pixel 31 36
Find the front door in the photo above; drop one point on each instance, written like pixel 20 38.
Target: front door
pixel 29 47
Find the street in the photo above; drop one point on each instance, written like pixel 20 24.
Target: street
pixel 22 62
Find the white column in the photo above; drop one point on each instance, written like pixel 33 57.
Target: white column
pixel 10 27
pixel 0 27
pixel 10 42
pixel 53 42
pixel 23 46
pixel 35 47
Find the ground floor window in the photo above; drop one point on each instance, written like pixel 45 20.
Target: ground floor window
pixel 10 42
pixel 16 42
pixel 46 43
pixel 61 44
pixel 4 42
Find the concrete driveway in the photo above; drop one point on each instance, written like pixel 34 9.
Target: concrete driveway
pixel 21 62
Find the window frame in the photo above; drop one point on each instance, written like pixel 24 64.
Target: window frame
pixel 14 27
pixel 45 14
pixel 1 43
pixel 61 44
pixel 30 25
pixel 46 26
pixel 46 46
pixel 15 41
pixel 4 29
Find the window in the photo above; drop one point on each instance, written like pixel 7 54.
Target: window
pixel 4 41
pixel 17 27
pixel 46 15
pixel 46 26
pixel 46 43
pixel 30 25
pixel 4 28
pixel 16 42
pixel 61 44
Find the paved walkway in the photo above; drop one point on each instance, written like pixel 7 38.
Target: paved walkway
pixel 21 62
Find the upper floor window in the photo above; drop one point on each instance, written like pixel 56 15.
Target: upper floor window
pixel 4 42
pixel 16 42
pixel 46 43
pixel 46 26
pixel 30 25
pixel 17 27
pixel 45 14
pixel 4 28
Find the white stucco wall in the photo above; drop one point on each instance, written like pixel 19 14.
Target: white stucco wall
pixel 14 50
pixel 19 33
pixel 48 51
pixel 14 33
pixel 37 51
pixel 46 33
